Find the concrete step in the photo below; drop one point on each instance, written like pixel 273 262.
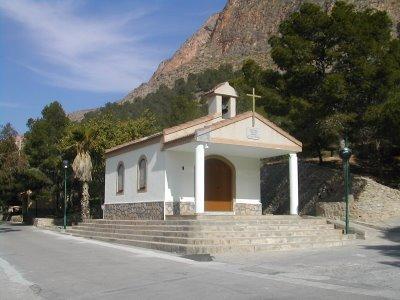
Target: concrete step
pixel 216 234
pixel 233 228
pixel 214 249
pixel 206 216
pixel 230 222
pixel 223 217
pixel 200 224
pixel 334 235
pixel 211 234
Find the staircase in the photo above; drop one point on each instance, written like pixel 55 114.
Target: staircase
pixel 216 234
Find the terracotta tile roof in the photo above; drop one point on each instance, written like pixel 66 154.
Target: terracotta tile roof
pixel 134 142
pixel 190 124
pixel 225 122
pixel 214 88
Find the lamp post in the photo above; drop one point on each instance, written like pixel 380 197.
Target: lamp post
pixel 28 193
pixel 65 165
pixel 345 154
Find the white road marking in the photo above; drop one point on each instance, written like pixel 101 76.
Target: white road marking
pixel 12 274
pixel 14 285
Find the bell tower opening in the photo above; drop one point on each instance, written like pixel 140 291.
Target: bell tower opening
pixel 225 107
pixel 221 101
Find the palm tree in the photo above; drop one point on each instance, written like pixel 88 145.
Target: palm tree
pixel 82 166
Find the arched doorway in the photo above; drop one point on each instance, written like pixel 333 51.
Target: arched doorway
pixel 219 184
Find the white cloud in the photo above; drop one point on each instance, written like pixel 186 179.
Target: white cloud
pixel 12 104
pixel 77 51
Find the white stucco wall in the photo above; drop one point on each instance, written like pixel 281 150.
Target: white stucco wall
pixel 171 176
pixel 155 176
pixel 179 184
pixel 247 178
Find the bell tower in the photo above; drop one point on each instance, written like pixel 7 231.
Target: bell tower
pixel 221 101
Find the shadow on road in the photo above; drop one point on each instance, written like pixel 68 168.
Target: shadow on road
pixel 391 263
pixel 393 234
pixel 199 257
pixel 392 250
pixel 8 229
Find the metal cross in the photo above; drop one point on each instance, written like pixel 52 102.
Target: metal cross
pixel 254 96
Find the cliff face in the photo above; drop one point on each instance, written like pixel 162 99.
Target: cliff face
pixel 240 31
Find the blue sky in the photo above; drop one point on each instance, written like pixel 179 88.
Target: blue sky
pixel 86 53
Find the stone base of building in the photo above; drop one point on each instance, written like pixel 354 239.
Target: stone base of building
pixel 180 208
pixel 134 211
pixel 246 209
pixel 155 210
pixel 189 208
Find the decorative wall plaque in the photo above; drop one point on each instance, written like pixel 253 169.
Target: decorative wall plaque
pixel 253 133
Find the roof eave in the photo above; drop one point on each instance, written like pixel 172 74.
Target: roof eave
pixel 133 143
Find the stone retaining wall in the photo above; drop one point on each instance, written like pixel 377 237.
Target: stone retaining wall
pixel 134 211
pixel 331 210
pixel 53 222
pixel 373 204
pixel 47 222
pixel 16 219
pixel 321 193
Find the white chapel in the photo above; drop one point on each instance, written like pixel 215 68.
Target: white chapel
pixel 210 165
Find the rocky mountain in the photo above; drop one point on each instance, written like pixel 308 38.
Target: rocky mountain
pixel 240 31
pixel 79 114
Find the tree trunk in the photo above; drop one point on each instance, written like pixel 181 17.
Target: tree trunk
pixel 85 213
pixel 321 160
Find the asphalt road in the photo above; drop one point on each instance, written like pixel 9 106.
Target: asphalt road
pixel 40 264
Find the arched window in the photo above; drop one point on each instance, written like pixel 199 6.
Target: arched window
pixel 142 174
pixel 120 178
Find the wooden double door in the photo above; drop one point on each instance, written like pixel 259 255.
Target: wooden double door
pixel 219 182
